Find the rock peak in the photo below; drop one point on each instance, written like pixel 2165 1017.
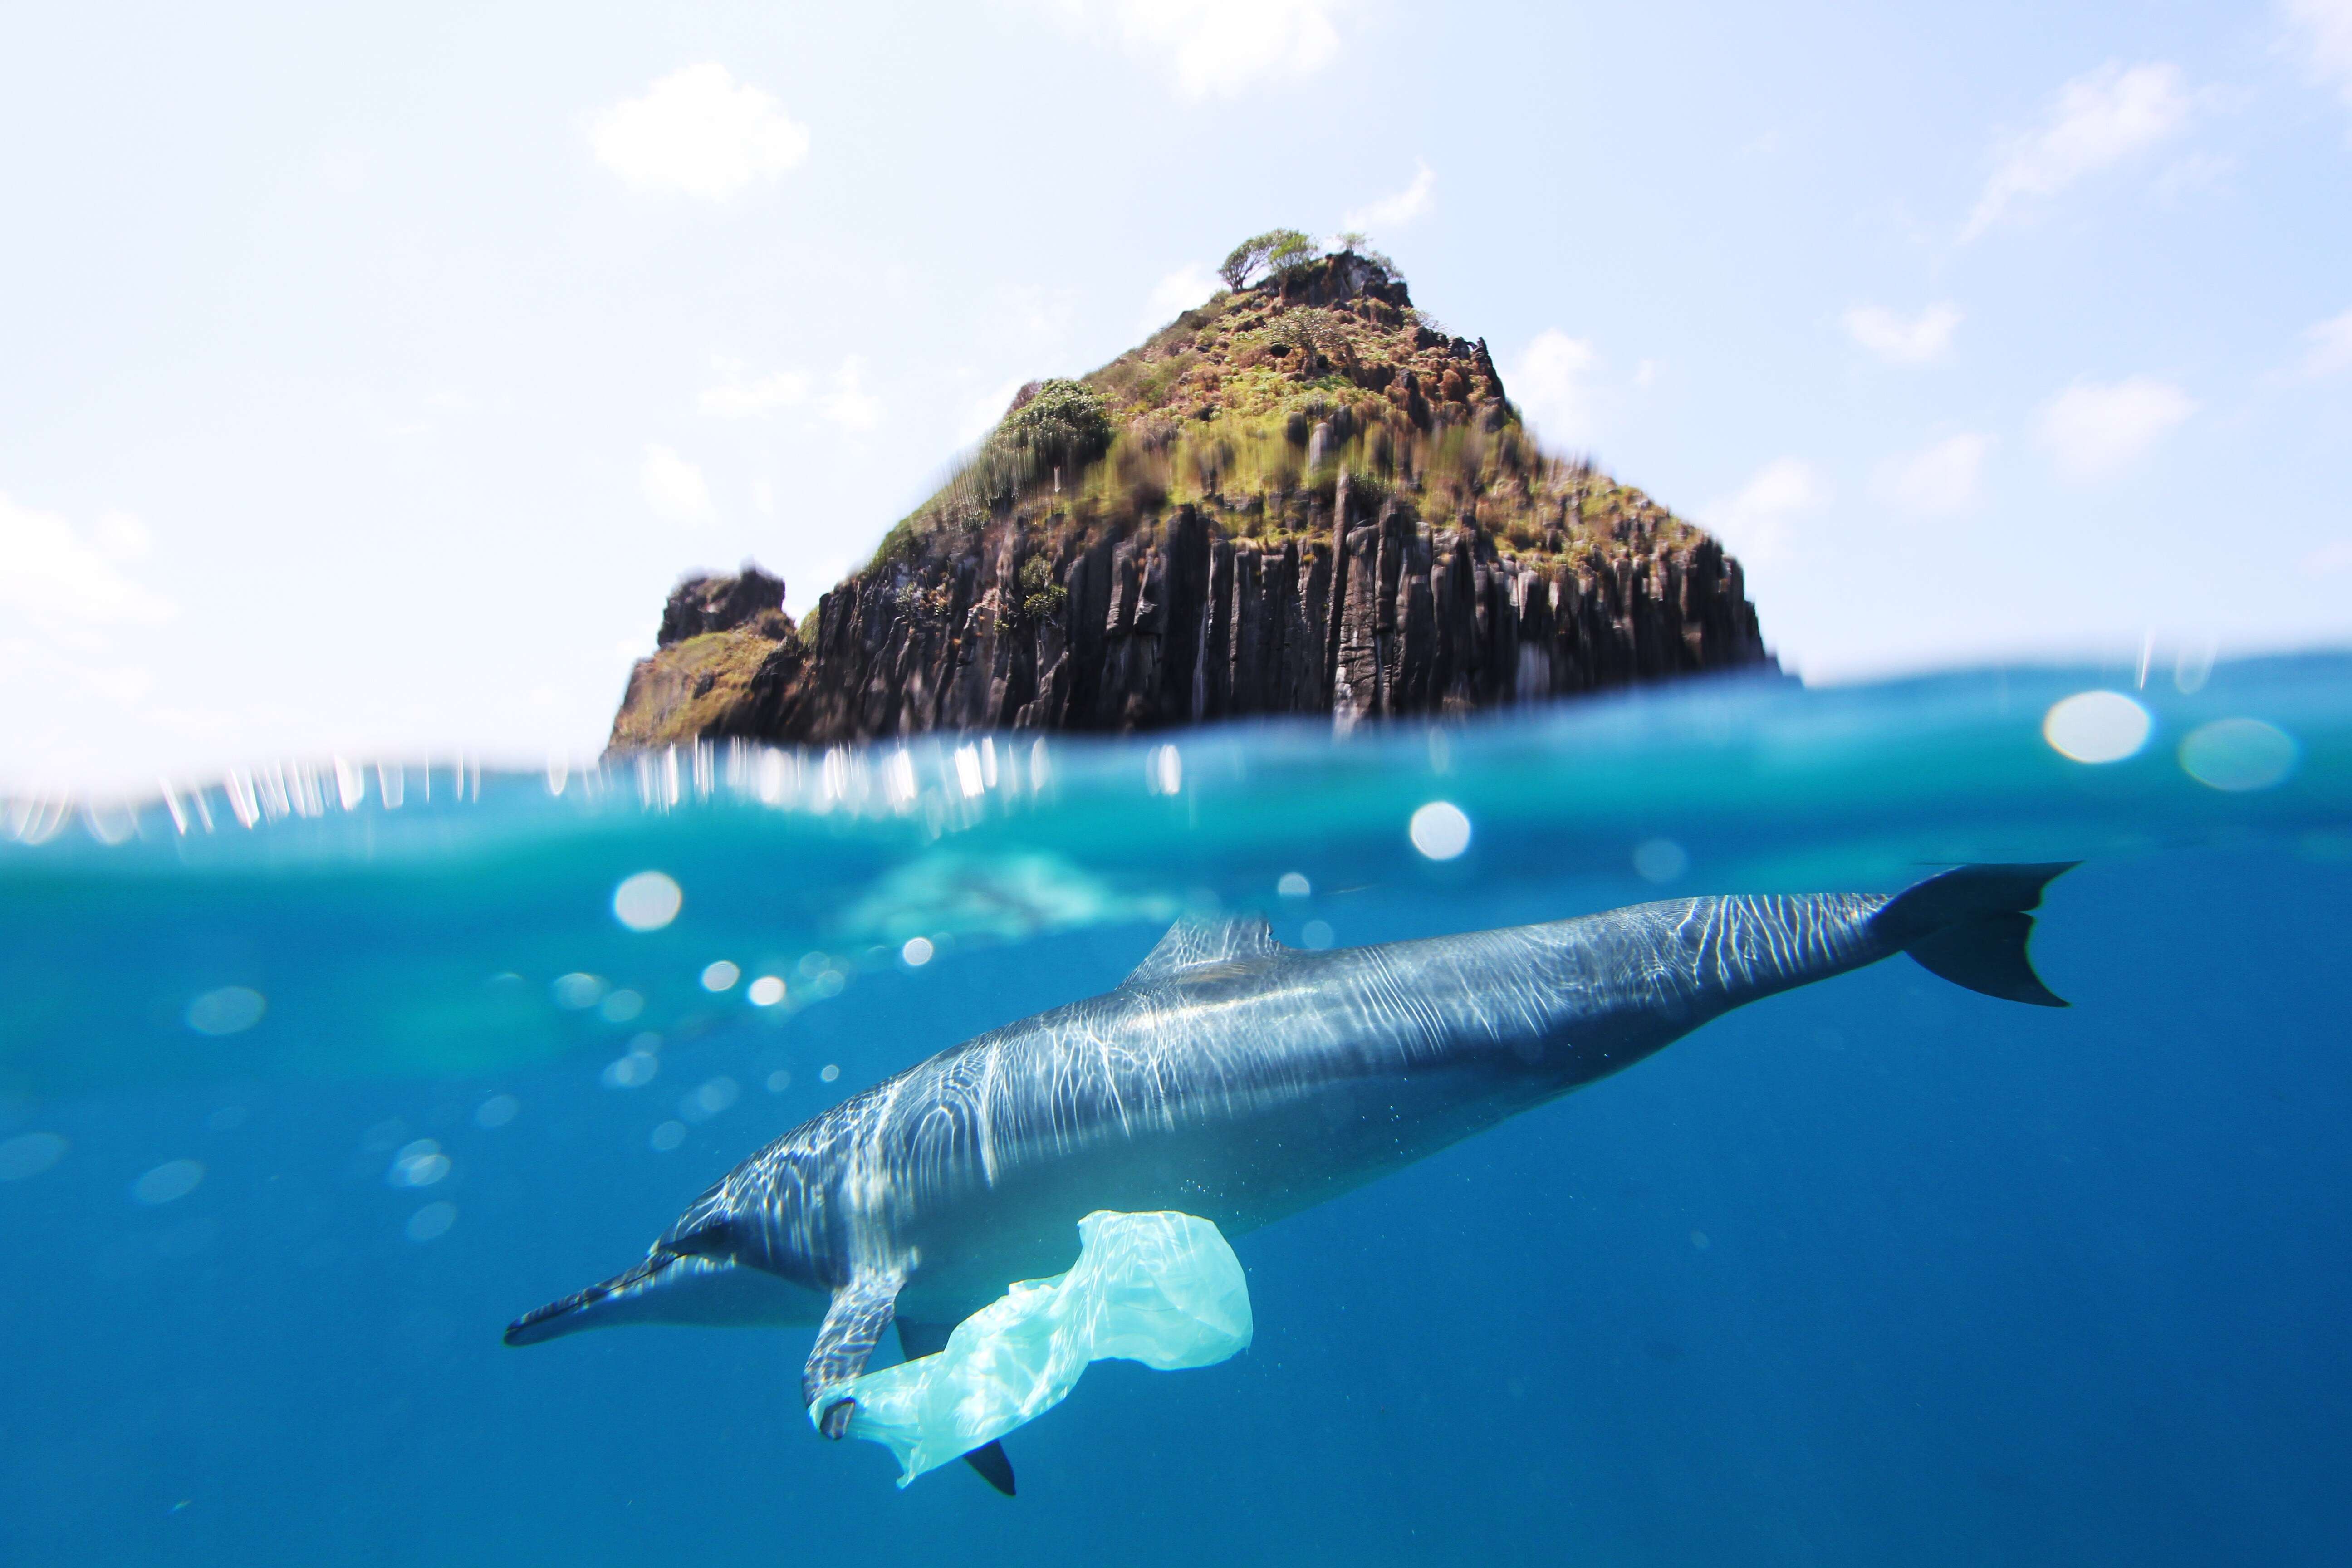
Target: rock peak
pixel 1302 495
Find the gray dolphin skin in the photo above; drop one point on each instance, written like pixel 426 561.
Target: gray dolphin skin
pixel 1234 1078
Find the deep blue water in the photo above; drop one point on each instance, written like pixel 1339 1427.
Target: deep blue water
pixel 1878 1271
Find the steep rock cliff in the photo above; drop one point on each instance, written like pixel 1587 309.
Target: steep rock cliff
pixel 1302 497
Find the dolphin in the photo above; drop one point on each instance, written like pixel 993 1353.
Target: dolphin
pixel 1240 1080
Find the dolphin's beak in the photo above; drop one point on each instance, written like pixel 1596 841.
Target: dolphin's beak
pixel 570 1313
pixel 671 1287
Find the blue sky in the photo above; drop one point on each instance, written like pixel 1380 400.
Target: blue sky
pixel 366 379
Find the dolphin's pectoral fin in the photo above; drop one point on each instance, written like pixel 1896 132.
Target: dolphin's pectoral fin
pixel 861 1310
pixel 1190 942
pixel 929 1339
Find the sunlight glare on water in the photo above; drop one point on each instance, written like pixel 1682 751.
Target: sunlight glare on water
pixel 2097 727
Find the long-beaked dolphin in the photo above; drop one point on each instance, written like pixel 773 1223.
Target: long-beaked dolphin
pixel 1240 1080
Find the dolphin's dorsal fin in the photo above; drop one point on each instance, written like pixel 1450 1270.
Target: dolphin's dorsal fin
pixel 1196 941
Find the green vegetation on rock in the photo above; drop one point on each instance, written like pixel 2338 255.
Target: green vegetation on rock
pixel 1056 423
pixel 1252 405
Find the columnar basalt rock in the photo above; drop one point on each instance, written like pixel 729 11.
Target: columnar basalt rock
pixel 1176 622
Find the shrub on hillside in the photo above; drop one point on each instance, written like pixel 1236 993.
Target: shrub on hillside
pixel 1062 424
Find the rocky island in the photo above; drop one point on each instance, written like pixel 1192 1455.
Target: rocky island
pixel 1302 497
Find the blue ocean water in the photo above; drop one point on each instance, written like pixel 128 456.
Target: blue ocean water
pixel 305 1093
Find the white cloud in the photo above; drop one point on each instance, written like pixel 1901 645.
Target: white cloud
pixel 2324 29
pixel 673 487
pixel 52 575
pixel 980 416
pixel 2328 559
pixel 700 132
pixel 71 685
pixel 1219 46
pixel 1903 339
pixel 1756 522
pixel 738 395
pixel 2098 120
pixel 1034 316
pixel 849 404
pixel 1553 383
pixel 1939 480
pixel 1188 286
pixel 1396 210
pixel 2094 430
pixel 2331 347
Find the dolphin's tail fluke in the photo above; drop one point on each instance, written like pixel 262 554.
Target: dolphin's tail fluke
pixel 1971 925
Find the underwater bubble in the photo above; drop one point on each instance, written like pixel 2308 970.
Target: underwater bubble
pixel 575 991
pixel 1660 860
pixel 1315 934
pixel 917 952
pixel 168 1183
pixel 1701 1240
pixel 228 1118
pixel 766 991
pixel 646 901
pixel 496 1111
pixel 779 1082
pixel 1439 830
pixel 708 1100
pixel 720 976
pixel 231 1010
pixel 2237 754
pixel 418 1164
pixel 432 1221
pixel 1292 886
pixel 830 1072
pixel 632 1070
pixel 29 1155
pixel 621 1006
pixel 1164 770
pixel 814 964
pixel 385 1136
pixel 1010 895
pixel 667 1136
pixel 2097 727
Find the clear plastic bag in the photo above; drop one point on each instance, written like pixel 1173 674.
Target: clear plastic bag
pixel 1162 1288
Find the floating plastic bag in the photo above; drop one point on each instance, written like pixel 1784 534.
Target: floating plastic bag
pixel 1162 1288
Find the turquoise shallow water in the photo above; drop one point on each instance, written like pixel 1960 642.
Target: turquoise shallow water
pixel 304 1094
